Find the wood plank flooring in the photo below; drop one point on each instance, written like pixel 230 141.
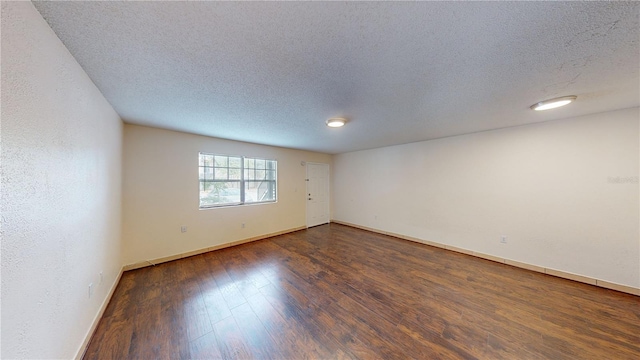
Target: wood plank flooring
pixel 334 292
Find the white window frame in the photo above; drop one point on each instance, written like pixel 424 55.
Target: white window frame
pixel 245 178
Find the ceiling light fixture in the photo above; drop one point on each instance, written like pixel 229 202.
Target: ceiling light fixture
pixel 336 122
pixel 553 103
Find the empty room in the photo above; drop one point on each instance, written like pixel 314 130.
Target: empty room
pixel 320 180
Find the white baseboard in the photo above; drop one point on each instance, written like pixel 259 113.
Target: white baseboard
pixel 558 273
pixel 98 317
pixel 161 260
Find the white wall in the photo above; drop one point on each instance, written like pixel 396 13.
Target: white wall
pixel 61 179
pixel 160 194
pixel 565 193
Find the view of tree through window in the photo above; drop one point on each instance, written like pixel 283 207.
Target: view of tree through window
pixel 236 180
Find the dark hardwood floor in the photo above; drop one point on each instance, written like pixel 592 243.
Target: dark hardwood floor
pixel 337 292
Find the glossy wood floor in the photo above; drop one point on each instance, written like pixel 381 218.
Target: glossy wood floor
pixel 339 292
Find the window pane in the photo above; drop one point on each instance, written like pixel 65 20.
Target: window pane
pixel 220 193
pixel 221 174
pixel 206 186
pixel 260 191
pixel 251 191
pixel 222 161
pixel 259 175
pixel 234 174
pixel 207 160
pixel 249 163
pixel 235 162
pixel 208 173
pixel 260 163
pixel 200 159
pixel 270 191
pixel 201 173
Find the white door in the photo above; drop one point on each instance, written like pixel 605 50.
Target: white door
pixel 317 194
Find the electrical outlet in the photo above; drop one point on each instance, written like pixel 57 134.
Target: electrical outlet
pixel 503 239
pixel 90 290
pixel 183 229
pixel 242 225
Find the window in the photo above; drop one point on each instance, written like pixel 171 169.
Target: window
pixel 236 180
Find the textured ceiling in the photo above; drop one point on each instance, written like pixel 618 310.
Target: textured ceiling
pixel 273 72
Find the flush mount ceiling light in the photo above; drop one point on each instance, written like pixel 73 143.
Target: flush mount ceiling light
pixel 336 122
pixel 553 103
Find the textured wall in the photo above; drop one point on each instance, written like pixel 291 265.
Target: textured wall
pixel 565 193
pixel 61 176
pixel 160 194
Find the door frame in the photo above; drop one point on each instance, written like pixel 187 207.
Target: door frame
pixel 306 191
